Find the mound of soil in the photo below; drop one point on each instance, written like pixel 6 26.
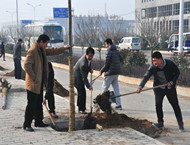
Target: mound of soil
pixel 116 120
pixel 12 74
pixel 58 88
pixel 1 68
pixel 103 102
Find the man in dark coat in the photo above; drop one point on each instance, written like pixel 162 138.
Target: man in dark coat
pixel 2 50
pixel 49 92
pixel 81 70
pixel 112 70
pixel 165 72
pixel 17 59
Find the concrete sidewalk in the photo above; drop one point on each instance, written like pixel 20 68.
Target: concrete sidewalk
pixel 12 120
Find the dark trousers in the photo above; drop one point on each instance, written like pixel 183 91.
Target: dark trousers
pixel 81 101
pixel 34 108
pixel 51 103
pixel 171 95
pixel 18 68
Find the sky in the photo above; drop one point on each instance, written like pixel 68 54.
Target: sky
pixel 123 8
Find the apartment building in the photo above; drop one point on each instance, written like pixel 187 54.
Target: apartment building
pixel 160 16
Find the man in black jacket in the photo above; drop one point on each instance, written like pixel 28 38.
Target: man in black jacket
pixel 165 72
pixel 81 70
pixel 112 70
pixel 17 59
pixel 2 50
pixel 49 92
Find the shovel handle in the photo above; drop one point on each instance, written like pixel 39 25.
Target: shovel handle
pixel 92 81
pixel 141 91
pixel 91 93
pixel 49 114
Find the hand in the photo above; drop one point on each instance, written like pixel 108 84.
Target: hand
pixel 44 101
pixel 90 88
pixel 91 71
pixel 168 84
pixel 100 73
pixel 67 47
pixel 138 90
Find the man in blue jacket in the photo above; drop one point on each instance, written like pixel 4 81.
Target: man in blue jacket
pixel 165 72
pixel 112 70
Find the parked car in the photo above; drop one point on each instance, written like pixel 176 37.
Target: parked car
pixel 131 43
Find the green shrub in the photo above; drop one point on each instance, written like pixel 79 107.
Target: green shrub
pixel 181 61
pixel 131 58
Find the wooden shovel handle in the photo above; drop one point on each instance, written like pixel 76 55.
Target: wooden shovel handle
pixel 49 114
pixel 141 90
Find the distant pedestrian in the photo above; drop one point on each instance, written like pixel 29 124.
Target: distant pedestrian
pixel 81 70
pixel 36 67
pixel 2 50
pixel 49 92
pixel 17 59
pixel 165 72
pixel 112 70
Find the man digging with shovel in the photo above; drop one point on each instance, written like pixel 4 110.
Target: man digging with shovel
pixel 81 70
pixel 165 72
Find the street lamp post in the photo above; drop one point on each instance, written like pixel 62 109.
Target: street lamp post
pixel 34 7
pixel 17 18
pixel 11 13
pixel 181 26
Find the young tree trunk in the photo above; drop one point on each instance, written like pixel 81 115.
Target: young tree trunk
pixel 71 78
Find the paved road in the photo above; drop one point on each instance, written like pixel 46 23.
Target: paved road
pixel 78 51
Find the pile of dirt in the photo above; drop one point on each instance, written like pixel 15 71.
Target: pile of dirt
pixel 58 88
pixel 113 120
pixel 1 68
pixel 116 120
pixel 103 102
pixel 12 74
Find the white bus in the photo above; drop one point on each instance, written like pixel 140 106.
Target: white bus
pixel 53 29
pixel 173 43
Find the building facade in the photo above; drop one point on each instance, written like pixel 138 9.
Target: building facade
pixel 160 16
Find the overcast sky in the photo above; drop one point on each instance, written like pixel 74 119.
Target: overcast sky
pixel 124 8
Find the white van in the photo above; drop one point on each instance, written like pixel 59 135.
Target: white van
pixel 131 43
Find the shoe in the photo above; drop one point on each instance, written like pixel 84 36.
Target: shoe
pixel 82 112
pixel 118 107
pixel 41 125
pixel 181 128
pixel 54 115
pixel 159 125
pixel 30 129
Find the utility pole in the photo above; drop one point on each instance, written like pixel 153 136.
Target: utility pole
pixel 181 26
pixel 17 31
pixel 71 77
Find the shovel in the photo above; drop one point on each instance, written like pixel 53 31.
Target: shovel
pixel 92 81
pixel 91 92
pixel 112 96
pixel 55 127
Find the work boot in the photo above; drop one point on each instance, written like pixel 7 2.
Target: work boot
pixel 159 125
pixel 30 129
pixel 82 112
pixel 181 127
pixel 118 107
